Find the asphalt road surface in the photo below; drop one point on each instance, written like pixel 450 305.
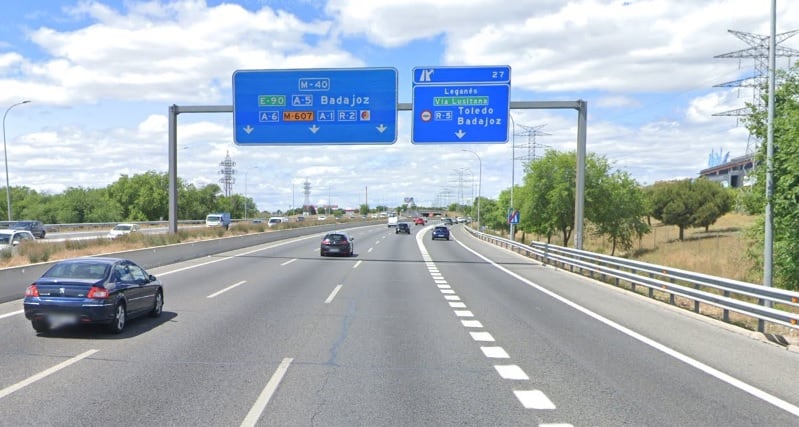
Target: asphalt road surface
pixel 408 332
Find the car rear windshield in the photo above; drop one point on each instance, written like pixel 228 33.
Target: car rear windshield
pixel 83 270
pixel 336 237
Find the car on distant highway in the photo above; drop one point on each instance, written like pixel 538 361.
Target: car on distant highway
pixel 418 221
pixel 35 227
pixel 446 221
pixel 10 239
pixel 123 229
pixel 402 227
pixel 92 290
pixel 337 243
pixel 440 232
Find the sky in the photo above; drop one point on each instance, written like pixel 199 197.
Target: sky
pixel 102 74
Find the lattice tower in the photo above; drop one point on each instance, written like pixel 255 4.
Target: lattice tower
pixel 758 51
pixel 227 170
pixel 530 148
pixel 306 189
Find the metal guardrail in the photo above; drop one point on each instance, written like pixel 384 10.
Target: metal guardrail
pixel 748 299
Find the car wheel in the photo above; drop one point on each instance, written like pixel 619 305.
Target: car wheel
pixel 158 305
pixel 120 316
pixel 40 325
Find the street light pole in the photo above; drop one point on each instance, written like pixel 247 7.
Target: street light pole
pixel 5 152
pixel 479 186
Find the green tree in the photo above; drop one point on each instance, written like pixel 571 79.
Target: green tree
pixel 785 173
pixel 547 198
pixel 714 201
pixel 673 203
pixel 620 211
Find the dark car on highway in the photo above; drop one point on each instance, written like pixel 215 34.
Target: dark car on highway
pixel 338 243
pixel 440 232
pixel 35 227
pixel 402 227
pixel 88 290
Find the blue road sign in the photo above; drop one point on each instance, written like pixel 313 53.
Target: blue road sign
pixel 461 104
pixel 315 106
pixel 513 216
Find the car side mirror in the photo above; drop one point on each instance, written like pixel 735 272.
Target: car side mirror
pixel 151 278
pixel 352 238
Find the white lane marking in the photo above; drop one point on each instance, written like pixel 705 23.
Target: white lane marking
pixel 227 289
pixel 482 336
pixel 13 313
pixel 536 399
pixel 370 250
pixel 439 281
pixel 457 305
pixel 189 267
pixel 463 313
pixel 754 391
pixel 377 242
pixel 495 352
pixel 333 294
pixel 30 380
pixel 289 261
pixel 471 324
pixel 444 286
pixel 452 298
pixel 447 291
pixel 511 372
pixel 357 264
pixel 263 399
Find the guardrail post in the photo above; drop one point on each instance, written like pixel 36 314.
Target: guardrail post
pixel 696 302
pixel 725 315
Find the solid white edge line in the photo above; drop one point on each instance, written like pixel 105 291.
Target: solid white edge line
pixel 30 380
pixel 288 262
pixel 752 390
pixel 263 399
pixel 13 313
pixel 333 294
pixel 227 289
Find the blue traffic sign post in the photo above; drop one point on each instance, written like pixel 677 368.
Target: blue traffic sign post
pixel 315 106
pixel 513 216
pixel 461 105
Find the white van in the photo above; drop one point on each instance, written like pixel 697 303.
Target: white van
pixel 276 220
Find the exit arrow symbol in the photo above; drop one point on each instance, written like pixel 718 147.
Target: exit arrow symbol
pixel 381 128
pixel 313 129
pixel 460 133
pixel 249 129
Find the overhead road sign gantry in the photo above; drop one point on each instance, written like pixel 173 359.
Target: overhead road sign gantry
pixel 315 106
pixel 461 104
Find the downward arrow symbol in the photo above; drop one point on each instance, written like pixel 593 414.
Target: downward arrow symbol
pixel 249 129
pixel 381 128
pixel 313 129
pixel 460 133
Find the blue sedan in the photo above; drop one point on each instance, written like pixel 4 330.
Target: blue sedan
pixel 90 290
pixel 440 232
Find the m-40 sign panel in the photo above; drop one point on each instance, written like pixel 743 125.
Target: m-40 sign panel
pixel 461 104
pixel 315 106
